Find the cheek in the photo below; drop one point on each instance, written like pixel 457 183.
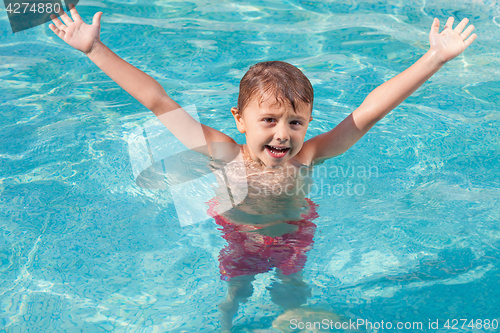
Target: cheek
pixel 299 137
pixel 299 141
pixel 298 147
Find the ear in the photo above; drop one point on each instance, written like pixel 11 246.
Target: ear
pixel 240 124
pixel 311 119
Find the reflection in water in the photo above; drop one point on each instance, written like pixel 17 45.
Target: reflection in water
pixel 254 249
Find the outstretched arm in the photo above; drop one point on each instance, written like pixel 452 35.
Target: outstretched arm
pixel 141 86
pixel 444 46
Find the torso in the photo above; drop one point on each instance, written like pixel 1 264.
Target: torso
pixel 263 196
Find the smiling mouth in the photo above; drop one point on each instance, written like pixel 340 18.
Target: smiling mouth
pixel 277 152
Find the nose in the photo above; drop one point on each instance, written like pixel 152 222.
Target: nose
pixel 282 132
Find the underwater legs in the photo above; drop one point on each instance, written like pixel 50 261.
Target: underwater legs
pixel 239 289
pixel 291 292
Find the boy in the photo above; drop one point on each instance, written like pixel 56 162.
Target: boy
pixel 281 141
pixel 274 104
pixel 274 110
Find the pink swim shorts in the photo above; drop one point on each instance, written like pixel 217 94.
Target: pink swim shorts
pixel 247 253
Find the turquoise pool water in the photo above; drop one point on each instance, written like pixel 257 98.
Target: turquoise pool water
pixel 84 248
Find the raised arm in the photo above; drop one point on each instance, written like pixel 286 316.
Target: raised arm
pixel 444 46
pixel 142 87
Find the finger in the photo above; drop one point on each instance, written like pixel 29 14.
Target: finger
pixel 435 26
pixel 97 19
pixel 449 23
pixel 461 25
pixel 470 40
pixel 74 13
pixel 57 31
pixel 54 28
pixel 467 32
pixel 66 19
pixel 56 22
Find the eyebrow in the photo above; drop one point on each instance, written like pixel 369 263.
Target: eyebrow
pixel 267 114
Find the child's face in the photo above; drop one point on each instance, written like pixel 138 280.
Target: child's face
pixel 275 133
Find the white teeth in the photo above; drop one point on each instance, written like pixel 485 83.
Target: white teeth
pixel 278 148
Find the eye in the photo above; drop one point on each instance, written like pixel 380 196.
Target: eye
pixel 268 120
pixel 295 122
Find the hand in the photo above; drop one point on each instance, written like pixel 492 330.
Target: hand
pixel 450 42
pixel 77 33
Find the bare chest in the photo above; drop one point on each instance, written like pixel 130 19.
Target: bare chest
pixel 262 196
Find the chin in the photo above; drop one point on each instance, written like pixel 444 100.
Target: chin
pixel 270 163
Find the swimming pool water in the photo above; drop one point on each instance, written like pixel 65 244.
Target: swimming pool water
pixel 83 248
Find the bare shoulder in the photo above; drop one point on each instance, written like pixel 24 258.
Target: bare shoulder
pixel 213 135
pixel 224 151
pixel 305 156
pixel 332 143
